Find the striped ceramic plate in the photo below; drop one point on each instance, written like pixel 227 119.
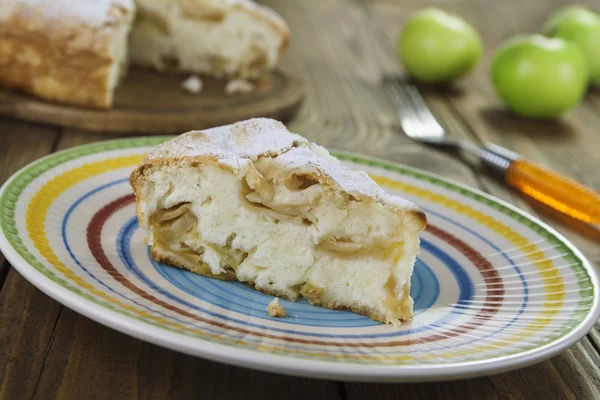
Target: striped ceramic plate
pixel 494 288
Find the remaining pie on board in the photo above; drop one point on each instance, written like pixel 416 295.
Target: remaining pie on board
pixel 77 51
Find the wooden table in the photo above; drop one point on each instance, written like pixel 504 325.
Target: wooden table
pixel 340 48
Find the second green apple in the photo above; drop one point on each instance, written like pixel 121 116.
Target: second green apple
pixel 540 77
pixel 582 27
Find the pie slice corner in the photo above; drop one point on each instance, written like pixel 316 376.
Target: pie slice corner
pixel 256 203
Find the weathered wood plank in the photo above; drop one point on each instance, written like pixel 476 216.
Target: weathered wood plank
pixel 123 367
pixel 573 374
pixel 73 137
pixel 4 268
pixel 21 143
pixel 594 337
pixel 27 325
pixel 593 99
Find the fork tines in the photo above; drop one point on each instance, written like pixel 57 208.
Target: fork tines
pixel 416 119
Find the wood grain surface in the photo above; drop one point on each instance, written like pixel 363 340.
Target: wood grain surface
pixel 340 49
pixel 148 102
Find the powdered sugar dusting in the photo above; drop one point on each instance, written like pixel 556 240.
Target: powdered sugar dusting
pixel 289 154
pixel 249 139
pixel 90 12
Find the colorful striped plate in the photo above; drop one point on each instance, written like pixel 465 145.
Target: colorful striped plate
pixel 494 288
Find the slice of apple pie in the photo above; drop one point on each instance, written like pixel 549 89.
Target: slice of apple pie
pixel 254 202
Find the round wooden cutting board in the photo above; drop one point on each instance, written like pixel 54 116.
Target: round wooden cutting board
pixel 148 102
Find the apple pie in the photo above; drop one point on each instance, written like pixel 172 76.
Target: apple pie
pixel 256 203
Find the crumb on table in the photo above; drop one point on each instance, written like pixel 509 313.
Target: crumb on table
pixel 275 309
pixel 193 84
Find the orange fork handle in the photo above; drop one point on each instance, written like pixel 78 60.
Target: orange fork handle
pixel 554 190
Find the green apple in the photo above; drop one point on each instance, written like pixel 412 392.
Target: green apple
pixel 541 77
pixel 435 46
pixel 582 27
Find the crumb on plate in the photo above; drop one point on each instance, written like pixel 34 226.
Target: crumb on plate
pixel 275 309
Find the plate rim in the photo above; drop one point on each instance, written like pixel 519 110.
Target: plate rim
pixel 287 365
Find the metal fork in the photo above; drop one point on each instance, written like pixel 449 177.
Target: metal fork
pixel 548 187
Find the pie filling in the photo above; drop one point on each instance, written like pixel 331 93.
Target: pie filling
pixel 286 237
